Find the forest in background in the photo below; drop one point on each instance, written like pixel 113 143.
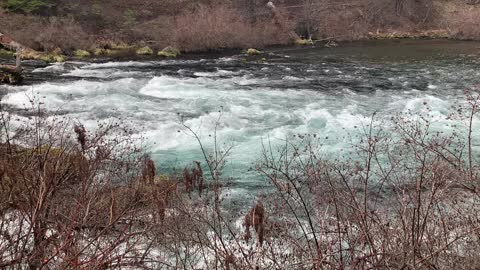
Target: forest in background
pixel 203 25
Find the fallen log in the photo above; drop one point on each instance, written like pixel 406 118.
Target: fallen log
pixel 10 74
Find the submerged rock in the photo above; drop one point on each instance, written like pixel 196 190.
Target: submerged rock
pixel 169 52
pixel 144 51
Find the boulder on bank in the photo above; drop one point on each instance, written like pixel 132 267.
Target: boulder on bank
pixel 10 74
pixel 144 51
pixel 169 52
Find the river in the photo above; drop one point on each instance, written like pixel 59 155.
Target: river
pixel 328 92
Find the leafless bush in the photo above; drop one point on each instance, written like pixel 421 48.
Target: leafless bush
pixel 406 200
pixel 464 25
pixel 64 205
pixel 63 33
pixel 217 27
pixel 45 33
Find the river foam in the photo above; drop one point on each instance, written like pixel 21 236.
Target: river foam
pixel 331 100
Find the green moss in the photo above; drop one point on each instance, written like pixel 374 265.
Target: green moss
pixel 144 51
pixel 28 6
pixel 81 53
pixel 169 52
pixel 253 51
pixel 4 52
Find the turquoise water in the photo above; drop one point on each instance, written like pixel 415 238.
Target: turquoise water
pixel 326 92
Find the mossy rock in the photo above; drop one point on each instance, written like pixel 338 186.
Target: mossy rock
pixel 253 51
pixel 81 53
pixel 304 42
pixel 144 51
pixel 169 52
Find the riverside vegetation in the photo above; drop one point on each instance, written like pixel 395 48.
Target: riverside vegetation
pixel 71 198
pixel 116 28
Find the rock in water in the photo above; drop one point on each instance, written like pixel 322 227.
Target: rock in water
pixel 253 51
pixel 169 52
pixel 145 51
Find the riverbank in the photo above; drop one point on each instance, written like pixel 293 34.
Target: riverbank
pixel 131 53
pixel 118 29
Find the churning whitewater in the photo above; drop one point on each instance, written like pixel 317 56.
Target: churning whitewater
pixel 331 93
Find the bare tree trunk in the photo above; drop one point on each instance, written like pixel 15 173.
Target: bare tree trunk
pixel 399 6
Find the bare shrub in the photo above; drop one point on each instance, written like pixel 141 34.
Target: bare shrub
pixel 45 34
pixel 63 205
pixel 158 31
pixel 463 23
pixel 406 200
pixel 217 27
pixel 403 198
pixel 64 33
